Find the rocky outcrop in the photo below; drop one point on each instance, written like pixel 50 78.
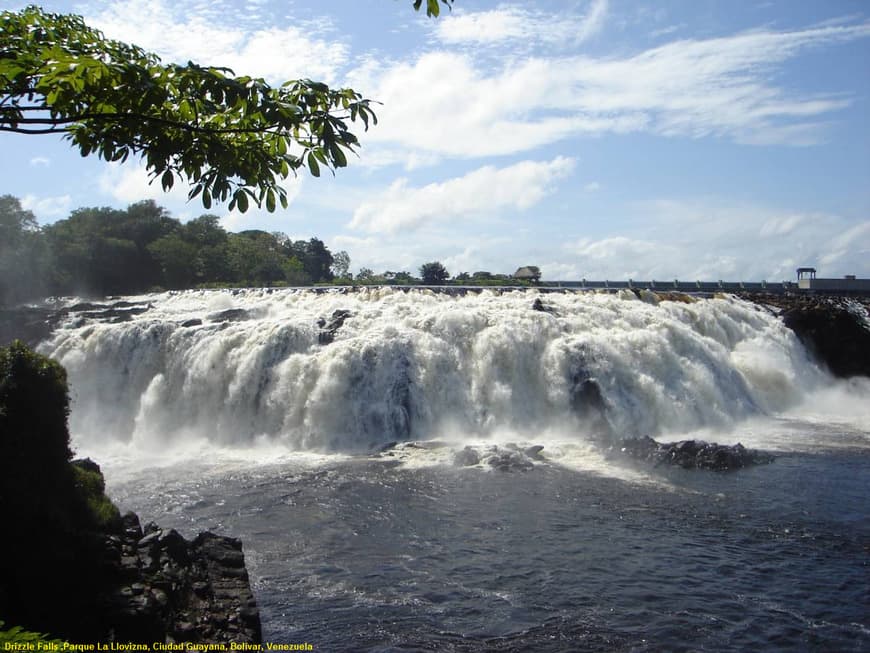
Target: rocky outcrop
pixel 329 329
pixel 836 330
pixel 32 324
pixel 230 315
pixel 162 588
pixel 835 333
pixel 692 454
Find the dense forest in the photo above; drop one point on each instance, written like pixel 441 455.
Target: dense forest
pixel 104 251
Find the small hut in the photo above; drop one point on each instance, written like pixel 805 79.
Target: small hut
pixel 528 273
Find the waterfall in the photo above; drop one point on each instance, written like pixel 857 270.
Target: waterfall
pixel 345 371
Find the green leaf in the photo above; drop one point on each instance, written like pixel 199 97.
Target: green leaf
pixel 166 180
pixel 338 155
pixel 241 199
pixel 312 165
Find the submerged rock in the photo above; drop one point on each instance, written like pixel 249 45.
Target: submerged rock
pixel 466 457
pixel 329 329
pixel 509 461
pixel 230 315
pixel 538 305
pixel 693 454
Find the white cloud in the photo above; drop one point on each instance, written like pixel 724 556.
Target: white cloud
pixel 40 161
pixel 182 32
pixel 130 182
pixel 711 240
pixel 452 104
pixel 484 190
pixel 47 207
pixel 510 22
pixel 592 186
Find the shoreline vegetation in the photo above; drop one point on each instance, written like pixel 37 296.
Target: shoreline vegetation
pixel 72 565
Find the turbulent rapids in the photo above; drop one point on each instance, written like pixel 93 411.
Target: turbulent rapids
pixel 349 371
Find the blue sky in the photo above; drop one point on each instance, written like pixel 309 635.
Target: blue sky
pixel 594 138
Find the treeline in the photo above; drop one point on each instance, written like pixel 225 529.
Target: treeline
pixel 104 251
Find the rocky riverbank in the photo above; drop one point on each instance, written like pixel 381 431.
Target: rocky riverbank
pixel 163 588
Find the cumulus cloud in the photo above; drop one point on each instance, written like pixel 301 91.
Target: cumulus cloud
pixel 130 182
pixel 47 207
pixel 484 190
pixel 182 32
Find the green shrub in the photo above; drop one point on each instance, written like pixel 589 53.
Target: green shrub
pixel 16 635
pixel 90 492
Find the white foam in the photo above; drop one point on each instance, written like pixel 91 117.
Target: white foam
pixel 420 365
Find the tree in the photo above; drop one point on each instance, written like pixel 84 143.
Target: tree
pixel 105 250
pixel 24 257
pixel 528 273
pixel 229 137
pixel 14 220
pixel 177 260
pixel 434 273
pixel 341 264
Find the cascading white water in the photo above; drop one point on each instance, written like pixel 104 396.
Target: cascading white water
pixel 411 365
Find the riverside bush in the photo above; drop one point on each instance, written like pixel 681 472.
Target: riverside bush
pixel 56 513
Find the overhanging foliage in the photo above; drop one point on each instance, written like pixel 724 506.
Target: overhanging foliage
pixel 229 137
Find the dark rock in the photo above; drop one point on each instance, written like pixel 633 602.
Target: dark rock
pixel 175 546
pixel 835 333
pixel 587 402
pixel 149 539
pixel 131 526
pixel 30 324
pixel 329 329
pixel 192 323
pixel 225 551
pixel 466 458
pixel 693 454
pixel 88 465
pixel 230 315
pixel 509 461
pixel 190 591
pixel 115 315
pixel 538 305
pixel 534 452
pixel 835 329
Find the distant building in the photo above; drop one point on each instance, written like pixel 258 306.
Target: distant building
pixel 807 280
pixel 528 273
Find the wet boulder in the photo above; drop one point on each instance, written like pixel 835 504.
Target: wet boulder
pixel 328 329
pixel 692 454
